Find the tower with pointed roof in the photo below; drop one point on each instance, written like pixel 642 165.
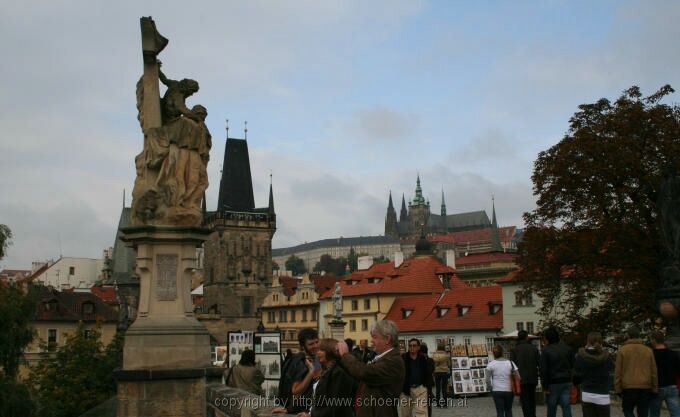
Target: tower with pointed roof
pixel 238 262
pixel 418 210
pixel 391 219
pixel 442 224
pixel 495 236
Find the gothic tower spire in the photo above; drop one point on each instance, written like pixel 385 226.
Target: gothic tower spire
pixel 403 216
pixel 495 236
pixel 391 219
pixel 271 195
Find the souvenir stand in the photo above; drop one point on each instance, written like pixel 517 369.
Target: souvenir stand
pixel 468 363
pixel 268 359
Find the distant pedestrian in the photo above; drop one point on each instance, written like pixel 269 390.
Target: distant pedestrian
pixel 635 374
pixel 557 362
pixel 527 358
pixel 245 375
pixel 363 352
pixel 416 382
pixel 430 372
pixel 499 371
pixel 668 366
pixel 591 370
pixel 442 372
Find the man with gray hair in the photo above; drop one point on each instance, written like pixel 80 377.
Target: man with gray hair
pixel 381 379
pixel 635 374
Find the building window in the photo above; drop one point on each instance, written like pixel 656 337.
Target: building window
pixel 355 305
pixel 489 344
pixel 71 270
pixel 520 326
pixel 89 334
pixel 352 325
pixel 247 306
pixel 518 298
pixel 282 316
pixel 441 311
pixel 367 304
pixel 271 317
pixel 529 300
pixel 530 327
pixel 51 340
pixel 452 341
pixel 88 308
pixel 467 340
pixel 406 313
pixel 275 297
pixel 292 316
pixel 304 315
pixel 292 335
pixel 313 314
pixel 364 325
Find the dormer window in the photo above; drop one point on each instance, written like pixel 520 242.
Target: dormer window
pixel 441 311
pixel 462 310
pixel 406 312
pixel 51 305
pixel 88 308
pixel 494 308
pixel 374 280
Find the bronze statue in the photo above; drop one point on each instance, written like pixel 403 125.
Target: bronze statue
pixel 172 167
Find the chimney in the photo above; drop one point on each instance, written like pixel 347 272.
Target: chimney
pixel 364 262
pixel 398 259
pixel 451 258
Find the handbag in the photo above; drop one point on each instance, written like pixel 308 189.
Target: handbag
pixel 515 380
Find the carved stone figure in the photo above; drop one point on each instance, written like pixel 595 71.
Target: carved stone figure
pixel 337 303
pixel 172 167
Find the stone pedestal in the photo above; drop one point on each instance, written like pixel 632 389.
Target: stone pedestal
pixel 166 357
pixel 337 329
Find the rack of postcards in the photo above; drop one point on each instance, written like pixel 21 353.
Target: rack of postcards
pixel 468 363
pixel 268 359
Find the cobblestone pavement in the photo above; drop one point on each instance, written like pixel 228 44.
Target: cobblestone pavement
pixel 483 407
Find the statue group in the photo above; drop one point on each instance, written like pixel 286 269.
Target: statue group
pixel 172 167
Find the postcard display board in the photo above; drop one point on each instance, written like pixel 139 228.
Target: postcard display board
pixel 238 342
pixel 268 359
pixel 468 363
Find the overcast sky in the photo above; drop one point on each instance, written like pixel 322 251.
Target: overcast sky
pixel 345 101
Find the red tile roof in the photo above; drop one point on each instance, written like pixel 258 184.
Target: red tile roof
pixel 289 285
pixel 106 294
pixel 486 257
pixel 414 276
pixel 424 317
pixel 54 305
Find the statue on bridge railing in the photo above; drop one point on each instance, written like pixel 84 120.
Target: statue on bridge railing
pixel 172 167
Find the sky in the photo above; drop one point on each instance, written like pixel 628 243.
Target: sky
pixel 345 102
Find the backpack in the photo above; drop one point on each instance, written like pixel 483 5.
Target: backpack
pixel 284 397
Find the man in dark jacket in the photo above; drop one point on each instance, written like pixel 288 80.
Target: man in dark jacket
pixel 381 379
pixel 527 358
pixel 557 362
pixel 417 382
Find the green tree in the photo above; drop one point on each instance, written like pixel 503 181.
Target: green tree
pixel 381 260
pixel 594 232
pixel 5 239
pixel 295 265
pixel 353 260
pixel 78 376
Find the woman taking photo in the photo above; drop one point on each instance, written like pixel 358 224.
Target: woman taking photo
pixel 500 371
pixel 335 389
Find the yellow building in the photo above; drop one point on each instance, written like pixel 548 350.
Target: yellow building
pixel 292 304
pixel 368 294
pixel 58 314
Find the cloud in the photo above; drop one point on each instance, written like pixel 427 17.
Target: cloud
pixel 491 143
pixel 383 124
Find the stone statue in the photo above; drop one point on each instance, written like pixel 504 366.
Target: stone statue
pixel 668 205
pixel 172 167
pixel 337 303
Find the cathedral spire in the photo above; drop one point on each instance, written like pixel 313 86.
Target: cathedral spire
pixel 391 219
pixel 443 203
pixel 418 200
pixel 495 236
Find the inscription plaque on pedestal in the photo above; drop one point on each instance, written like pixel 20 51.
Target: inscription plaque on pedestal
pixel 166 287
